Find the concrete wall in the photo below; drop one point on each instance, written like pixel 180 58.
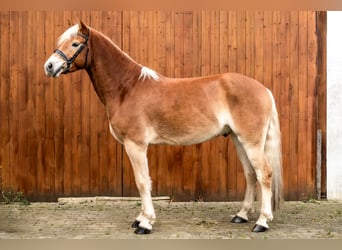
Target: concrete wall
pixel 334 105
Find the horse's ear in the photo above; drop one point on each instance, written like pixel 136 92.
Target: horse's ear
pixel 83 29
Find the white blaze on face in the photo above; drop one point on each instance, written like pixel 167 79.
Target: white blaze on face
pixel 54 65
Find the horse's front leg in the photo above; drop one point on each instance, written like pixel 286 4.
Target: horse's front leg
pixel 137 155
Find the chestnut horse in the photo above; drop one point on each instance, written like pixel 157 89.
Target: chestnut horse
pixel 145 107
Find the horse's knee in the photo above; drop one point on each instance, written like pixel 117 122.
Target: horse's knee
pixel 144 185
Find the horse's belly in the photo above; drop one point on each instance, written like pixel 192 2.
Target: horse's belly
pixel 197 135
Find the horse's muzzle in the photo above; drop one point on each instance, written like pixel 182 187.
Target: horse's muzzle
pixel 53 68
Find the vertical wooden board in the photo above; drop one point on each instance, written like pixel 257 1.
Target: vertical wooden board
pixel 22 103
pixel 170 45
pixel 258 46
pixel 110 164
pixel 174 163
pixel 76 81
pixel 127 45
pixel 69 153
pixel 115 165
pixel 34 55
pixel 218 170
pixel 178 177
pixel 214 36
pixel 232 41
pixel 179 44
pixel 302 104
pixel 64 83
pixel 197 170
pixel 152 30
pixel 205 70
pixel 166 51
pixel 271 54
pixel 116 149
pixel 312 100
pixel 232 67
pixel 161 62
pixel 188 43
pixel 223 156
pixel 241 68
pixel 13 100
pixel 51 36
pixel 28 91
pixel 96 149
pixel 71 113
pixel 196 71
pixel 109 21
pixel 189 176
pixel 161 41
pixel 321 98
pixel 47 153
pixel 250 43
pixel 222 159
pixel 5 163
pixel 40 106
pixel 132 33
pixel 241 42
pixel 196 43
pixel 87 177
pixel 217 189
pixel 141 38
pixel 223 41
pixel 151 61
pixel 211 167
pixel 205 35
pixel 267 53
pixel 284 95
pixel 276 87
pixel 294 179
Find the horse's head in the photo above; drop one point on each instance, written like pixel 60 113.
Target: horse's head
pixel 71 53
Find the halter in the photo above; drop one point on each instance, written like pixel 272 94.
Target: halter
pixel 70 60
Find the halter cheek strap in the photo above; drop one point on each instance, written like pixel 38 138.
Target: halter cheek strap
pixel 70 60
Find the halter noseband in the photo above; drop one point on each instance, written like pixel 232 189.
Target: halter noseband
pixel 69 61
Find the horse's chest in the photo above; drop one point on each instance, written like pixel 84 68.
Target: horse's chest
pixel 115 133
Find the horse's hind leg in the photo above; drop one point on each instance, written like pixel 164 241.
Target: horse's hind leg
pixel 247 205
pixel 263 173
pixel 138 158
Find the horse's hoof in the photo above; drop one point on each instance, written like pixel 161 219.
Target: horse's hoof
pixel 141 230
pixel 259 229
pixel 238 219
pixel 135 224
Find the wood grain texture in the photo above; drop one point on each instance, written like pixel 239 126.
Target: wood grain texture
pixel 55 139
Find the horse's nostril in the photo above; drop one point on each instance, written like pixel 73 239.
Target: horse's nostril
pixel 49 66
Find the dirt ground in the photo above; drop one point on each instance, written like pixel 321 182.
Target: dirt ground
pixel 175 220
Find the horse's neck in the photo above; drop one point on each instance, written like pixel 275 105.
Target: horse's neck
pixel 111 71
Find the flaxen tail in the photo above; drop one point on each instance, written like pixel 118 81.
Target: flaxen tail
pixel 274 156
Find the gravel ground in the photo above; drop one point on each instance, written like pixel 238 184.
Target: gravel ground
pixel 175 220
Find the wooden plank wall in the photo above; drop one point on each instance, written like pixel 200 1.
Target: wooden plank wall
pixel 54 136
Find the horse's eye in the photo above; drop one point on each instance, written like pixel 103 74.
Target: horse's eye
pixel 75 44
